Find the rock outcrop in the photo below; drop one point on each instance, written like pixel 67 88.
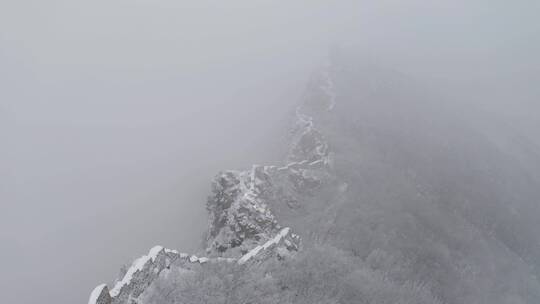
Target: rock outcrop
pixel 241 201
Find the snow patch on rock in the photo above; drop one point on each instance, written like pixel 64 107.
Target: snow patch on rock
pixel 274 241
pixel 135 267
pixel 97 294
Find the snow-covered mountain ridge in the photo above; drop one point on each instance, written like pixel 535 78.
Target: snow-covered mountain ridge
pixel 242 227
pixel 387 195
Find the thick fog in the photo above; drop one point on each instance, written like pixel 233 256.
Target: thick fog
pixel 115 115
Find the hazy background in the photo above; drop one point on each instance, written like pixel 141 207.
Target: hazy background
pixel 114 115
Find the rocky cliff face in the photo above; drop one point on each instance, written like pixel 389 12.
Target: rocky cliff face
pixel 242 227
